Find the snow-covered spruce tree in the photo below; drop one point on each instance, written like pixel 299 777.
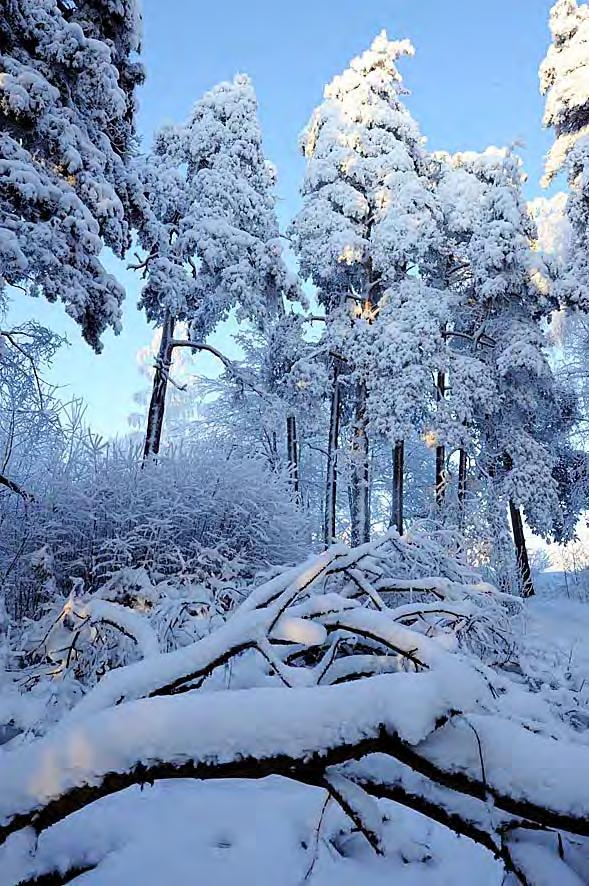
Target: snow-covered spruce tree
pixel 458 193
pixel 67 78
pixel 368 222
pixel 210 235
pixel 568 338
pixel 503 402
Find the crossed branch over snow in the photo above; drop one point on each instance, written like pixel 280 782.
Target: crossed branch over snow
pixel 377 701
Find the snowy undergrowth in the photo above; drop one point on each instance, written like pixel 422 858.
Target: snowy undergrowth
pixel 408 699
pixel 555 654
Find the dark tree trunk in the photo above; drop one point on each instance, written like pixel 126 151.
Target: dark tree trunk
pixel 398 472
pixel 521 550
pixel 360 481
pixel 440 450
pixel 462 474
pixel 293 452
pixel 440 475
pixel 157 404
pixel 329 526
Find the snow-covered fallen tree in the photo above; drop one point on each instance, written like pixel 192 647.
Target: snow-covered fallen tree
pixel 373 673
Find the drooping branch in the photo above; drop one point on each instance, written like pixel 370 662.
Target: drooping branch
pixel 15 487
pixel 10 336
pixel 162 376
pixel 229 365
pixel 125 620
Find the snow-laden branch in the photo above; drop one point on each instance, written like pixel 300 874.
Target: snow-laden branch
pixel 444 589
pixel 298 733
pixel 77 623
pixel 294 594
pixel 125 620
pixel 366 699
pixel 247 733
pixel 514 840
pixel 254 619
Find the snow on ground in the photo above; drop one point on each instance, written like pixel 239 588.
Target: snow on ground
pixel 558 632
pixel 556 646
pixel 237 833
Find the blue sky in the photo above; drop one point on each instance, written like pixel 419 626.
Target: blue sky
pixel 473 82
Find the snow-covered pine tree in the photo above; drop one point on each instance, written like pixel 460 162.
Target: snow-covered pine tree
pixel 502 389
pixel 564 80
pixel 459 193
pixel 210 235
pixel 369 222
pixel 68 72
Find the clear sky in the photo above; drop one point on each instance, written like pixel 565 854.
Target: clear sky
pixel 473 82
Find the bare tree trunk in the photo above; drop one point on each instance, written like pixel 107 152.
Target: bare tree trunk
pixel 440 450
pixel 157 404
pixel 329 525
pixel 462 475
pixel 292 447
pixel 521 550
pixel 398 471
pixel 360 488
pixel 440 475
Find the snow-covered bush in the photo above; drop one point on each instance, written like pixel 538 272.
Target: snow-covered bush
pixel 111 559
pixel 200 514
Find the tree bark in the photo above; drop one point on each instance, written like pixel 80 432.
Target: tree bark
pixel 440 449
pixel 521 550
pixel 440 475
pixel 462 475
pixel 329 524
pixel 398 471
pixel 360 481
pixel 157 404
pixel 292 447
